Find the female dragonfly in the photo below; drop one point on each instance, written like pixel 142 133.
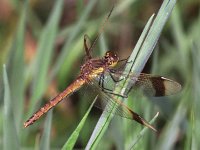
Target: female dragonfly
pixel 98 69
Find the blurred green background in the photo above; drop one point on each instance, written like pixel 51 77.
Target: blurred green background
pixel 41 43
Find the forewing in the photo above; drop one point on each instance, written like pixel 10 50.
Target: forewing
pixel 151 85
pixel 157 85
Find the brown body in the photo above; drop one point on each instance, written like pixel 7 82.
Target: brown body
pixel 94 67
pixel 91 69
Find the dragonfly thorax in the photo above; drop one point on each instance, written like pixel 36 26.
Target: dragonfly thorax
pixel 92 68
pixel 96 66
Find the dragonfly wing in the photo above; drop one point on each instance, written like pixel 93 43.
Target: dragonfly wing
pixel 151 85
pixel 110 102
pixel 157 85
pixel 122 110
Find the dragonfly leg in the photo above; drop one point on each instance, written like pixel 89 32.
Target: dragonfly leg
pixel 116 94
pixel 121 66
pixel 87 47
pixel 126 60
pixel 109 91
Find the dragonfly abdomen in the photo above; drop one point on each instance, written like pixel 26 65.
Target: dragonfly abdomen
pixel 69 90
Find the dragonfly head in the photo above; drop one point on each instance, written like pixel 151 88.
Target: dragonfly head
pixel 111 58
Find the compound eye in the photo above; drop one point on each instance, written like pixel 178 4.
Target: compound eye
pixel 111 58
pixel 110 54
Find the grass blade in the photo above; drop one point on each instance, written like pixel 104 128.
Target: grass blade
pixel 106 118
pixel 139 59
pixel 10 138
pixel 73 138
pixel 45 140
pixel 168 137
pixel 16 68
pixel 142 132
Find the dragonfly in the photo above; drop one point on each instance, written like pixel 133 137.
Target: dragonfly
pixel 96 71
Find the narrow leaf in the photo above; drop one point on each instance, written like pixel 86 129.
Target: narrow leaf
pixel 16 68
pixel 45 140
pixel 106 117
pixel 142 132
pixel 73 138
pixel 10 138
pixel 139 59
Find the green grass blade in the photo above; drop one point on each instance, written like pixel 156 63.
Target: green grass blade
pixel 73 138
pixel 45 140
pixel 10 138
pixel 168 137
pixel 16 69
pixel 44 54
pixel 139 43
pixel 142 132
pixel 139 59
pixel 153 35
pixel 106 118
pixel 193 134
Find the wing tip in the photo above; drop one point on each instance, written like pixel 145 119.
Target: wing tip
pixel 171 87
